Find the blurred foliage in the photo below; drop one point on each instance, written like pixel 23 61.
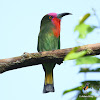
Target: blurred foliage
pixel 70 90
pixel 83 30
pixel 74 55
pixel 84 18
pixel 79 97
pixel 87 60
pixel 93 84
pixel 89 70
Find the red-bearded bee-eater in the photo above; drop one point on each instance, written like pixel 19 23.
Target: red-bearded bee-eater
pixel 49 39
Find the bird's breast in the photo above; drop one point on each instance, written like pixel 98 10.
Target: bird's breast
pixel 56 28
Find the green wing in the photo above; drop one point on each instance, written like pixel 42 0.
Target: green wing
pixel 47 41
pixel 59 43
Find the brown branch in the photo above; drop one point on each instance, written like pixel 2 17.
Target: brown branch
pixel 29 59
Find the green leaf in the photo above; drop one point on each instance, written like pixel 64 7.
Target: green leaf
pixel 90 29
pixel 84 70
pixel 84 18
pixel 84 29
pixel 88 70
pixel 87 60
pixel 93 84
pixel 74 55
pixel 70 90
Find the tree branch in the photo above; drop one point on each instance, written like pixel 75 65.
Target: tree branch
pixel 29 59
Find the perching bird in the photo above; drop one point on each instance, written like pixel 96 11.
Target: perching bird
pixel 49 39
pixel 86 86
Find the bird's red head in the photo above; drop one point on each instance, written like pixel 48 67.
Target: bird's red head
pixel 55 19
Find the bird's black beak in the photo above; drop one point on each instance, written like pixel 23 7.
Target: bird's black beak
pixel 63 14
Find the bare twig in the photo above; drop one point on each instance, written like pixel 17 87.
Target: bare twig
pixel 29 59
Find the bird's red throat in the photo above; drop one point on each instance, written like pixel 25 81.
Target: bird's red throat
pixel 56 29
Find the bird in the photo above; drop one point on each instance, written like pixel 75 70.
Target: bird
pixel 49 39
pixel 86 86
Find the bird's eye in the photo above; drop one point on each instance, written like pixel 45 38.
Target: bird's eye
pixel 50 17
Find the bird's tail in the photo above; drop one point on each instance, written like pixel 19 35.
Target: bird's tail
pixel 48 85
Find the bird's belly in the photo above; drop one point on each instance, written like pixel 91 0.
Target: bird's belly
pixel 48 44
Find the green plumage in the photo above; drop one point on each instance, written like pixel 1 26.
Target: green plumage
pixel 47 42
pixel 46 39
